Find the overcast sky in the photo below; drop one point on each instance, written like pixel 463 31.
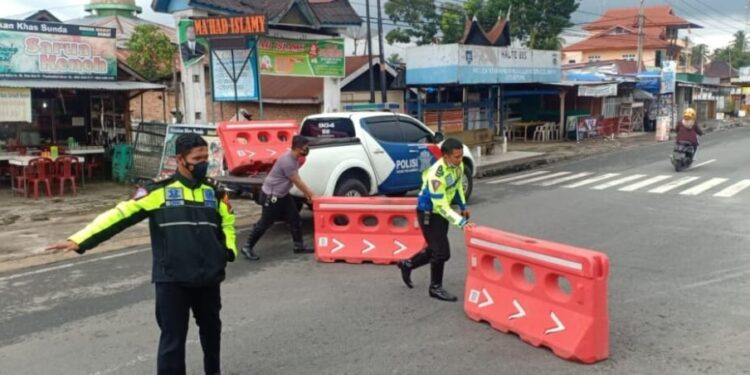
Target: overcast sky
pixel 720 18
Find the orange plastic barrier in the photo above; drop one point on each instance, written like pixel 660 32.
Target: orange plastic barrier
pixel 252 147
pixel 550 294
pixel 372 229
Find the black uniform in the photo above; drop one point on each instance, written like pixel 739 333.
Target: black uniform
pixel 192 238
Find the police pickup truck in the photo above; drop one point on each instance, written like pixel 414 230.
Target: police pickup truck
pixel 366 153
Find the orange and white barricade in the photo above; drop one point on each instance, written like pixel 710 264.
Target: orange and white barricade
pixel 370 229
pixel 550 294
pixel 253 146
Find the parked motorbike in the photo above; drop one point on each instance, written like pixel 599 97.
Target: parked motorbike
pixel 682 156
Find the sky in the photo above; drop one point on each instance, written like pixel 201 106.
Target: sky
pixel 720 18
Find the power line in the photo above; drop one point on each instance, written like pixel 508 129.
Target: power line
pixel 720 25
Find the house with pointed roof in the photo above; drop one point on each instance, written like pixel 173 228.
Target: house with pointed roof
pixel 498 36
pixel 614 36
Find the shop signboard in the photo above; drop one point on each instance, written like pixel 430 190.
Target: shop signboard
pixel 15 105
pixel 463 64
pixel 668 77
pixel 208 132
pixel 56 51
pixel 662 128
pixel 239 63
pixel 744 74
pixel 302 58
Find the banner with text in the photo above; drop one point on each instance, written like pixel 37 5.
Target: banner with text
pixel 302 58
pixel 15 105
pixel 240 64
pixel 208 132
pixel 48 50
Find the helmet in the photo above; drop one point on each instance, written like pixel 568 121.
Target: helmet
pixel 689 114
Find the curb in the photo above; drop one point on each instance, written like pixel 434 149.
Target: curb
pixel 539 161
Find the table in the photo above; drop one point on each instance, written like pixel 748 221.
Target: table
pixel 5 156
pixel 23 161
pixel 86 151
pixel 525 126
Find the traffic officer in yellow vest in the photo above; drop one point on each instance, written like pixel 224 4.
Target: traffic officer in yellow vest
pixel 192 238
pixel 441 187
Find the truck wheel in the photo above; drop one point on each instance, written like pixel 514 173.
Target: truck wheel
pixel 467 183
pixel 351 187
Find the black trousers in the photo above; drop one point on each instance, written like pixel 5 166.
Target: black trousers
pixel 173 305
pixel 283 209
pixel 438 249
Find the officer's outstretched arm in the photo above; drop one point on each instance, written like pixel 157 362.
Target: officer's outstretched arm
pixel 227 225
pixel 440 203
pixel 114 221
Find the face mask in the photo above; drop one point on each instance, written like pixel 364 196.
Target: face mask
pixel 199 170
pixel 689 123
pixel 304 152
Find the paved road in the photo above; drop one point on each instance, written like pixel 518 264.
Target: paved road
pixel 678 287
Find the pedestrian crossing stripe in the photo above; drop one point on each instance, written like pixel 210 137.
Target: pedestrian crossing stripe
pixel 660 184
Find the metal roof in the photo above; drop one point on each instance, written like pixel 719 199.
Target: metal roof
pixel 81 85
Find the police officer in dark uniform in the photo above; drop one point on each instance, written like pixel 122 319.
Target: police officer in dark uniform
pixel 192 239
pixel 277 203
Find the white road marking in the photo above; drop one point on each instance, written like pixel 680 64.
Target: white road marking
pixel 733 190
pixel 673 185
pixel 537 179
pixel 592 180
pixel 704 163
pixel 645 183
pixel 710 184
pixel 69 265
pixel 514 178
pixel 618 182
pixel 565 179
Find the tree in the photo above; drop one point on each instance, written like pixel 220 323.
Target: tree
pixel 419 16
pixel 736 53
pixel 452 23
pixel 395 59
pixel 537 23
pixel 699 54
pixel 740 42
pixel 151 52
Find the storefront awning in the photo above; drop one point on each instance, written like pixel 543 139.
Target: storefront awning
pixel 81 85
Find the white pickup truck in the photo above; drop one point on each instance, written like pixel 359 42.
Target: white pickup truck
pixel 365 153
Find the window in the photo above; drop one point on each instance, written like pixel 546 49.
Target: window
pixel 384 128
pixel 571 61
pixel 629 57
pixel 611 107
pixel 328 128
pixel 594 58
pixel 413 132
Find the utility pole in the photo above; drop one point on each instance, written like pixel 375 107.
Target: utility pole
pixel 383 91
pixel 369 53
pixel 640 37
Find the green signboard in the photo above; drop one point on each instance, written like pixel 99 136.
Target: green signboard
pixel 49 50
pixel 192 48
pixel 302 58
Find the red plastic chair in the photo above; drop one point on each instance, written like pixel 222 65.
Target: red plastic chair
pixel 66 168
pixel 91 165
pixel 36 172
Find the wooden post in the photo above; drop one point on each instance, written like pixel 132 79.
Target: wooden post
pixel 563 93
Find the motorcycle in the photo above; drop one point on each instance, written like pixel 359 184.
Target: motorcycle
pixel 682 156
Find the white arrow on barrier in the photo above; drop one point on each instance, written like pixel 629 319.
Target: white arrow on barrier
pixel 272 151
pixel 339 246
pixel 489 301
pixel 559 326
pixel 245 154
pixel 370 247
pixel 520 311
pixel 401 248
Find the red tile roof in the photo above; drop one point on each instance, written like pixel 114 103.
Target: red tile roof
pixel 656 16
pixel 606 41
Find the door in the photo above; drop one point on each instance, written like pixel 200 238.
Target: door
pixel 389 154
pixel 419 140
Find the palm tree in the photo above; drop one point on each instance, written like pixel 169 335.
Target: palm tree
pixel 699 55
pixel 395 59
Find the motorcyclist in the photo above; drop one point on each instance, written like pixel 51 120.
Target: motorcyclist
pixel 688 130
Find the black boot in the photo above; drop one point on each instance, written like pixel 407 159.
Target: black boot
pixel 406 267
pixel 300 248
pixel 249 253
pixel 436 284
